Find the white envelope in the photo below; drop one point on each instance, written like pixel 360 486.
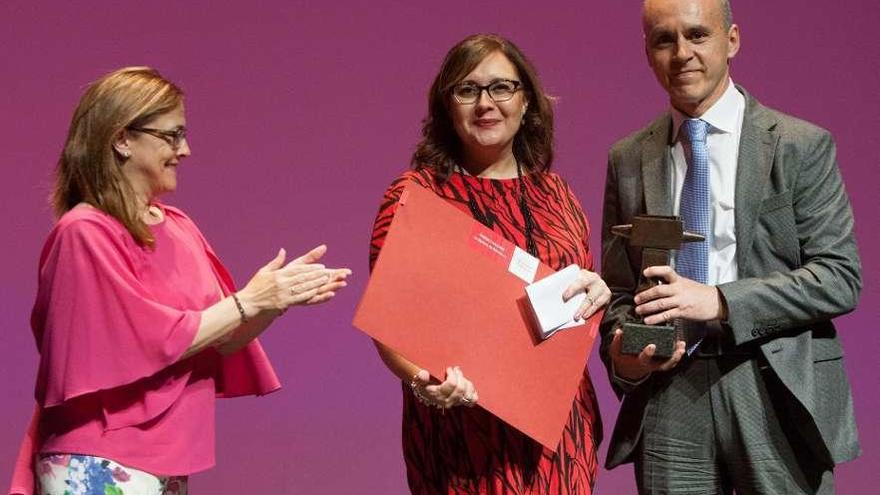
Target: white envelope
pixel 545 296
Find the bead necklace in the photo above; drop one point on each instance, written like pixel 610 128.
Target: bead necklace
pixel 483 218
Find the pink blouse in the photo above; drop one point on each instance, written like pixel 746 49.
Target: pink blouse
pixel 110 321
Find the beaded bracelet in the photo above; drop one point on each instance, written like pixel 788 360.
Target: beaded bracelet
pixel 417 392
pixel 238 305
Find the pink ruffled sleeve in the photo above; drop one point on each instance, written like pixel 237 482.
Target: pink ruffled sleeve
pixel 97 326
pixel 247 371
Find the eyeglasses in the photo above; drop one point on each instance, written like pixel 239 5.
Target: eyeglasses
pixel 173 138
pixel 467 93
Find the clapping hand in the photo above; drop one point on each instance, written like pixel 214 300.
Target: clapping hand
pixel 302 281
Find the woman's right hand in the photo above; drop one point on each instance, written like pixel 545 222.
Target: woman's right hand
pixel 455 390
pixel 596 290
pixel 277 286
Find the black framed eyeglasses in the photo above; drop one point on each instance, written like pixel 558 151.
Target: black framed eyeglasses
pixel 173 138
pixel 467 93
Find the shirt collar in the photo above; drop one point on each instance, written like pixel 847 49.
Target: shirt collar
pixel 722 116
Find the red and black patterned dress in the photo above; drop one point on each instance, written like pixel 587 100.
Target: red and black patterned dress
pixel 468 450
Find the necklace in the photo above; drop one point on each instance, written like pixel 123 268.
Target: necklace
pixel 487 220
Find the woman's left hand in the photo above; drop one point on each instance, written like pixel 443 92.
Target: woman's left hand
pixel 334 278
pixel 335 281
pixel 597 291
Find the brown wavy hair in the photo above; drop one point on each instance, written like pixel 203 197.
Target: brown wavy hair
pixel 440 147
pixel 90 169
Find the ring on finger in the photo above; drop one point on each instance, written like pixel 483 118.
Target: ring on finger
pixel 590 300
pixel 466 400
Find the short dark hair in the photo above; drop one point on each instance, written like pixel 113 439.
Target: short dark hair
pixel 440 146
pixel 726 12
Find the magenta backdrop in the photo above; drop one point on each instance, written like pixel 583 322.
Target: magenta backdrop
pixel 300 115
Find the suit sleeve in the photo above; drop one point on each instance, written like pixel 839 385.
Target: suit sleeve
pixel 824 280
pixel 618 272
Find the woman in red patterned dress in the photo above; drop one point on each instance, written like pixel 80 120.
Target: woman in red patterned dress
pixel 487 147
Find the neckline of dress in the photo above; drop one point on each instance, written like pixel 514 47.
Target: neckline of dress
pixel 508 181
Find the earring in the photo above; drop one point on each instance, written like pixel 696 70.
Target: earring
pixel 126 154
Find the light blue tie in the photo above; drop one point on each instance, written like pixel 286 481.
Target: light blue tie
pixel 692 260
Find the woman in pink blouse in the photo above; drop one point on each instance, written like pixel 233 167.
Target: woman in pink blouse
pixel 137 322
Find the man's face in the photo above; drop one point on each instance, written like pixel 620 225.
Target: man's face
pixel 689 48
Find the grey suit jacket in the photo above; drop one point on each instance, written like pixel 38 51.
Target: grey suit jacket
pixel 798 266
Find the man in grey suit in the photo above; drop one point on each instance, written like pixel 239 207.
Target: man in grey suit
pixel 755 399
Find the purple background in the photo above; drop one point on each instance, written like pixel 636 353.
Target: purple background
pixel 300 115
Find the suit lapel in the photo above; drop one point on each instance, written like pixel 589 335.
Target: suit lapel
pixel 655 169
pixel 756 150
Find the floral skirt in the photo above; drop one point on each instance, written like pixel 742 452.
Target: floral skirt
pixel 73 474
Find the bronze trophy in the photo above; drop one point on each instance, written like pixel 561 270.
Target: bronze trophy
pixel 656 235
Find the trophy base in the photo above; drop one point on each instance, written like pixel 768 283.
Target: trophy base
pixel 637 335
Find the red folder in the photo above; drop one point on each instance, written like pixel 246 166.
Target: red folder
pixel 441 295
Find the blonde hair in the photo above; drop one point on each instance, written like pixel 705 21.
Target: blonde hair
pixel 89 169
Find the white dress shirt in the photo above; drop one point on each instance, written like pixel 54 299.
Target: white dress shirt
pixel 725 119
